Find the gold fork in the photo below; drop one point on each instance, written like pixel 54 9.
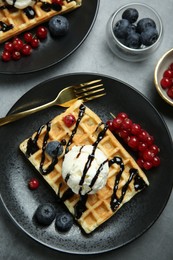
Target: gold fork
pixel 67 96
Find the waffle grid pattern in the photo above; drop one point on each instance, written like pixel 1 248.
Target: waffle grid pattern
pixel 98 205
pixel 22 23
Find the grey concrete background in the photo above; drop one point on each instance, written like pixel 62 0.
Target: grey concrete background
pixel 94 56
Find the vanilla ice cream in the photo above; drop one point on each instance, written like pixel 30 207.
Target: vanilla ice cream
pixel 21 4
pixel 85 169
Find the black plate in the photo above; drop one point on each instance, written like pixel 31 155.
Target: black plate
pixel 52 50
pixel 133 219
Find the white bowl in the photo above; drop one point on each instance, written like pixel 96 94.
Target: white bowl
pixel 161 66
pixel 123 51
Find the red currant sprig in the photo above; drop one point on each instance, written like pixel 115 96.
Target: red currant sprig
pixel 137 138
pixel 17 48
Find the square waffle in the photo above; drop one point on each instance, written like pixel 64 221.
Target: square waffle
pixel 14 21
pixel 125 178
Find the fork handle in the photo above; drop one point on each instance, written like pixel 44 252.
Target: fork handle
pixel 14 117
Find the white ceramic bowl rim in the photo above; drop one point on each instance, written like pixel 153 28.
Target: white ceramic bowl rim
pixel 142 49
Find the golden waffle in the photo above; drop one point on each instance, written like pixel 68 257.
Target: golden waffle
pixel 98 207
pixel 14 21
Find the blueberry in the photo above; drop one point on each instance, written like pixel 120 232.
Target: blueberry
pixel 45 214
pixel 58 25
pixel 144 24
pixel 133 40
pixel 131 14
pixel 64 221
pixel 149 37
pixel 54 149
pixel 121 28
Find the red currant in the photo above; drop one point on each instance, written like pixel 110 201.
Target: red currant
pixel 140 162
pixel 136 129
pixel 17 44
pixel 150 140
pixel 127 124
pixel 41 32
pixel 33 184
pixel 148 155
pixel 168 73
pixel 133 142
pixel 171 66
pixel 143 136
pixel 142 147
pixel 6 56
pixel 155 149
pixel 117 122
pixel 8 47
pixel 124 134
pixel 26 50
pixel 170 92
pixel 156 161
pixel 122 115
pixel 28 37
pixel 166 83
pixel 57 2
pixel 69 120
pixel 110 125
pixel 147 165
pixel 35 43
pixel 16 55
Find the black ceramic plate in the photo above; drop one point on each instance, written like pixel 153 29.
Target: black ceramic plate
pixel 133 219
pixel 52 50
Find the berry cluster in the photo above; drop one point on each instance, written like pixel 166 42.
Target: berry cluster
pixel 137 139
pixel 17 48
pixel 167 81
pixel 46 213
pixel 135 33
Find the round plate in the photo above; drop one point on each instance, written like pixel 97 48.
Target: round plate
pixel 133 219
pixel 52 50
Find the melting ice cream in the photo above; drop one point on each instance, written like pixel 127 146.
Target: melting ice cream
pixel 85 169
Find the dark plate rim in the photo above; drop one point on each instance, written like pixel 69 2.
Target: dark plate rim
pixel 5 72
pixel 168 193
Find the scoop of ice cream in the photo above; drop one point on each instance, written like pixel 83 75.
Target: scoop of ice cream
pixel 85 169
pixel 21 4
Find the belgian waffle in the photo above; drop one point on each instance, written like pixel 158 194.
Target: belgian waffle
pixel 14 21
pixel 125 178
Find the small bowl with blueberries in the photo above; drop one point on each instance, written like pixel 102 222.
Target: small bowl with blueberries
pixel 134 31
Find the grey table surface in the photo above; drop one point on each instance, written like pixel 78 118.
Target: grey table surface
pixel 94 56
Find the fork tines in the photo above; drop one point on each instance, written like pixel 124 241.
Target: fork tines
pixel 90 90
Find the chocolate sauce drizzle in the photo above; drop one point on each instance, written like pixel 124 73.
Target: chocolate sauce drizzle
pixel 50 168
pixel 91 157
pixel 29 12
pixel 32 146
pixel 80 115
pixel 93 181
pixel 80 206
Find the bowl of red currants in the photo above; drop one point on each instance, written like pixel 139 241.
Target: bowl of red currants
pixel 163 77
pixel 134 32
